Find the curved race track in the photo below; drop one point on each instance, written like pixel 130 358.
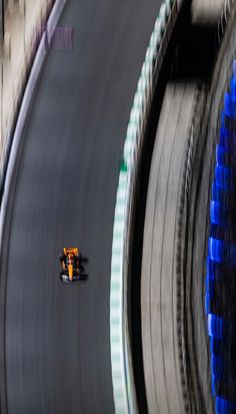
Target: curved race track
pixel 57 349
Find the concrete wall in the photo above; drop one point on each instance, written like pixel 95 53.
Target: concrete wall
pixel 24 21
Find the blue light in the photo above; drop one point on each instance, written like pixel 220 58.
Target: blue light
pixel 233 87
pixel 228 105
pixel 217 213
pixel 208 299
pixel 216 346
pixel 213 385
pixel 210 285
pixel 221 260
pixel 225 137
pixel 224 406
pixel 216 367
pixel 216 249
pixel 233 107
pixel 222 155
pixel 223 124
pixel 223 176
pixel 218 193
pixel 216 326
pixel 210 264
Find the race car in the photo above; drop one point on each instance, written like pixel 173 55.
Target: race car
pixel 72 268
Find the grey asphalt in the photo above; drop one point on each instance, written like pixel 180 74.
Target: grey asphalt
pixel 57 339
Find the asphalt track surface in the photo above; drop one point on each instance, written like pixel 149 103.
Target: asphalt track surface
pixel 57 339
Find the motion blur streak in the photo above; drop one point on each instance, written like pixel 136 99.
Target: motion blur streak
pixel 57 350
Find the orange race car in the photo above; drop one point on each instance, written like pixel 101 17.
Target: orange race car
pixel 72 268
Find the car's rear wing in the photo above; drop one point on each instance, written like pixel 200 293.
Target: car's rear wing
pixel 71 250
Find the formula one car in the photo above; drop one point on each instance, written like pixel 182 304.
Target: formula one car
pixel 72 268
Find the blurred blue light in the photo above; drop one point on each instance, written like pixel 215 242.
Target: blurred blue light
pixel 233 87
pixel 216 326
pixel 222 155
pixel 223 176
pixel 225 407
pixel 216 249
pixel 208 299
pixel 218 193
pixel 228 105
pixel 210 285
pixel 225 137
pixel 217 213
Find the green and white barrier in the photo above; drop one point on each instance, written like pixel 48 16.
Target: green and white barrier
pixel 121 360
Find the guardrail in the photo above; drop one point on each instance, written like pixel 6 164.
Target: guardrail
pixel 121 360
